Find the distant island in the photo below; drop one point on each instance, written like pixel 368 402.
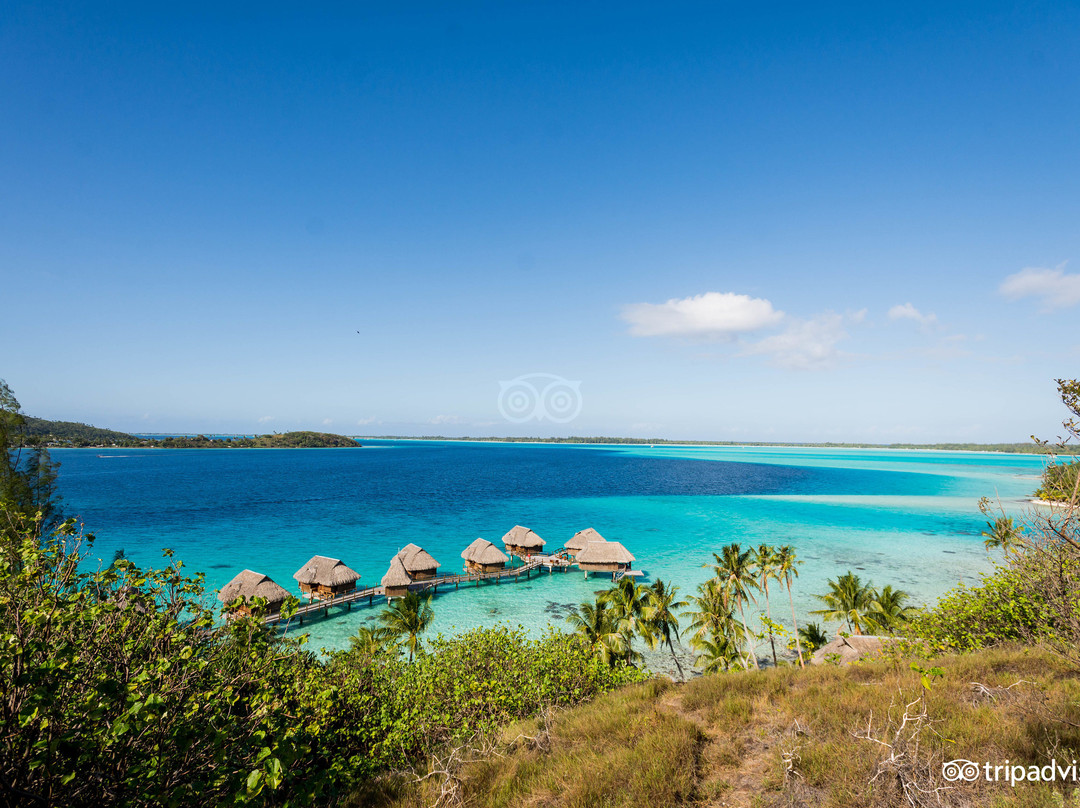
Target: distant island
pixel 71 434
pixel 61 434
pixel 1015 448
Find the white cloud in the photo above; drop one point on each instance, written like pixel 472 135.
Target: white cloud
pixel 806 344
pixel 906 311
pixel 327 421
pixel 1056 288
pixel 366 421
pixel 712 315
pixel 266 418
pixel 447 419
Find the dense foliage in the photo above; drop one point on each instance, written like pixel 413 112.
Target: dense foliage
pixel 1059 481
pixel 27 474
pixel 71 433
pixel 1004 607
pixel 284 440
pixel 41 432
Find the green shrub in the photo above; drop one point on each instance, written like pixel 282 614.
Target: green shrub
pixel 1006 606
pixel 474 682
pixel 1059 481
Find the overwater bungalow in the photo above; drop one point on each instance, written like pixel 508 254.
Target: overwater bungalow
pixel 253 585
pixel 396 581
pixel 325 578
pixel 577 542
pixel 483 556
pixel 522 542
pixel 418 562
pixel 604 556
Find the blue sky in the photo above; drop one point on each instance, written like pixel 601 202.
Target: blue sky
pixel 718 221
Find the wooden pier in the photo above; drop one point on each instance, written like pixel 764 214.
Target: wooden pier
pixel 366 597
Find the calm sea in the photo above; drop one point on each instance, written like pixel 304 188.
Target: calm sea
pixel 906 518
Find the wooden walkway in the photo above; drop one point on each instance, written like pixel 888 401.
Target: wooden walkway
pixel 366 597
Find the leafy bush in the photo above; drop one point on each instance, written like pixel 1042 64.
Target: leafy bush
pixel 477 681
pixel 1006 606
pixel 1059 481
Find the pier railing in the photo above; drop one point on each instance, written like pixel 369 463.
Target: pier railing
pixel 323 606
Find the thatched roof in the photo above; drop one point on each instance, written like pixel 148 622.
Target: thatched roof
pixel 416 558
pixel 850 648
pixel 604 552
pixel 326 571
pixel 519 536
pixel 583 537
pixel 252 585
pixel 482 551
pixel 396 575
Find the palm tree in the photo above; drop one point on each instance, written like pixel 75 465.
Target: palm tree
pixel 848 600
pixel 787 567
pixel 764 559
pixel 718 654
pixel 717 634
pixel 1003 533
pixel 711 612
pixel 408 617
pixel 370 641
pixel 736 575
pixel 887 609
pixel 813 637
pixel 660 615
pixel 626 604
pixel 599 628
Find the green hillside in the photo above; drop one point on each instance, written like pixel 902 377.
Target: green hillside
pixel 73 433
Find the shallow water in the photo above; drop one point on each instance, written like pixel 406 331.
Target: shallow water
pixel 908 518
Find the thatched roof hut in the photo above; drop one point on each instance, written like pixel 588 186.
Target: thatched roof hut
pixel 483 556
pixel 521 541
pixel 322 576
pixel 418 562
pixel 396 581
pixel 604 556
pixel 850 649
pixel 577 542
pixel 250 585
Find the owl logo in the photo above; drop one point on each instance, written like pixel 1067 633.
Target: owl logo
pixel 540 397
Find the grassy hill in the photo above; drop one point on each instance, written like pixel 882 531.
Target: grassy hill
pixel 824 736
pixel 72 433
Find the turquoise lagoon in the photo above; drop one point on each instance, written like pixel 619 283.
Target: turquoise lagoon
pixel 908 518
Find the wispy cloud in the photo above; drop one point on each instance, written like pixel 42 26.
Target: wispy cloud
pixel 712 315
pixel 366 421
pixel 447 419
pixel 807 344
pixel 1056 288
pixel 265 418
pixel 906 311
pixel 327 421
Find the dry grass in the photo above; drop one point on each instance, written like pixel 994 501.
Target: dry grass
pixel 788 737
